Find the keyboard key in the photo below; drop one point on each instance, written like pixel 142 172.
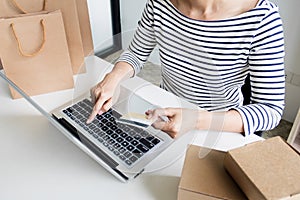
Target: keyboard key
pixel 122 150
pixel 124 144
pixel 134 142
pixel 121 126
pixel 107 115
pixel 144 134
pixel 92 126
pixel 105 144
pixel 128 162
pixel 129 138
pixel 138 130
pixel 133 159
pixel 112 119
pixel 116 152
pixel 115 114
pixel 122 157
pixel 104 128
pixel 145 142
pixel 130 148
pixel 127 154
pixel 119 131
pixel 76 107
pixel 150 138
pixel 137 153
pixel 104 121
pixel 124 135
pixel 119 139
pixel 87 102
pixel 106 138
pixel 132 133
pixel 109 132
pixel 117 145
pixel 110 148
pixel 137 137
pixel 111 142
pixel 155 141
pixel 100 140
pixel 99 117
pixel 109 124
pixel 142 148
pixel 96 130
pixel 101 134
pixel 100 125
pixel 114 127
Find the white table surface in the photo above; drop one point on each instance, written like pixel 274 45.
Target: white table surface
pixel 37 162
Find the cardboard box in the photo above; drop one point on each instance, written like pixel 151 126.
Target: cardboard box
pixel 206 178
pixel 268 169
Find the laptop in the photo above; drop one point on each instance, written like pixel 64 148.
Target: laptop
pixel 122 148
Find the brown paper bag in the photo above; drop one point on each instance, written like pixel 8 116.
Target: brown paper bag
pixel 10 8
pixel 34 53
pixel 85 27
pixel 14 7
pixel 71 22
pixel 70 17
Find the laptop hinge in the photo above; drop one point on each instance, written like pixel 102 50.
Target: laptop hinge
pixel 69 127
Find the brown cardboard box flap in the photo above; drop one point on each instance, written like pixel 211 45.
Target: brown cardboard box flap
pixel 267 169
pixel 206 178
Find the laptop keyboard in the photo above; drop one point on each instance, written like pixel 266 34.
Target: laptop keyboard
pixel 128 143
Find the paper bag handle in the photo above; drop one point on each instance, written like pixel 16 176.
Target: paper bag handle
pixel 24 11
pixel 19 43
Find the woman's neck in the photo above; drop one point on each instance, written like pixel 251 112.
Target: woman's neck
pixel 213 9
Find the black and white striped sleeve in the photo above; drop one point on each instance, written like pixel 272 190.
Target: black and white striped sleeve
pixel 266 64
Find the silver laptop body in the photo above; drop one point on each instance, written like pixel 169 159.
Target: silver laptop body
pixel 123 149
pixel 102 152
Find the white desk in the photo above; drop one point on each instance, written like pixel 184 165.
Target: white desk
pixel 38 162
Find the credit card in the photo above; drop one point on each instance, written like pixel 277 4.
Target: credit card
pixel 135 119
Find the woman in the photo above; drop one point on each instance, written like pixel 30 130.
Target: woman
pixel 207 48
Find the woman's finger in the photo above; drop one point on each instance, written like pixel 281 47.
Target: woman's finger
pixel 97 109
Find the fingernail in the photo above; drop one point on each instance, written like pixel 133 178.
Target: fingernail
pixel 148 116
pixel 89 121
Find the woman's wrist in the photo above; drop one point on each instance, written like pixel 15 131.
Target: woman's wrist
pixel 121 71
pixel 204 120
pixel 220 121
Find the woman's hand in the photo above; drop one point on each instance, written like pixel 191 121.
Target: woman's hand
pixel 105 93
pixel 178 122
pixel 182 120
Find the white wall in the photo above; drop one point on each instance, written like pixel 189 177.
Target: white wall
pixel 131 12
pixel 289 10
pixel 100 17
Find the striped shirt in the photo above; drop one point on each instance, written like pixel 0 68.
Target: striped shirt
pixel 206 62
